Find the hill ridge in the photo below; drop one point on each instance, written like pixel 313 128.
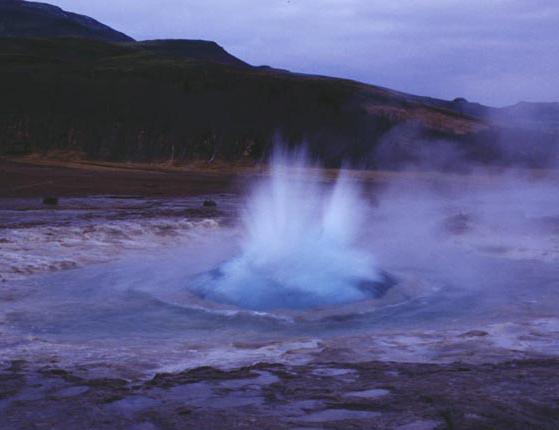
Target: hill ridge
pixel 19 18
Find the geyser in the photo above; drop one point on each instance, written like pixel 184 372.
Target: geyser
pixel 300 245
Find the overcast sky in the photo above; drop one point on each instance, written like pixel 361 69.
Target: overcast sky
pixel 497 52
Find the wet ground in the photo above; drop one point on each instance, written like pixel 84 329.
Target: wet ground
pixel 98 329
pixel 326 395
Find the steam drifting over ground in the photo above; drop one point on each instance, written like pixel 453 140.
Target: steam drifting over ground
pixel 106 287
pixel 296 261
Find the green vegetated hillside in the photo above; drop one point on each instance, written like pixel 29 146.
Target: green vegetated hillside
pixel 191 100
pixel 132 102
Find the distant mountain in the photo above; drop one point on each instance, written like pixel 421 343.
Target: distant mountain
pixel 523 114
pixel 185 49
pixel 530 115
pixel 20 18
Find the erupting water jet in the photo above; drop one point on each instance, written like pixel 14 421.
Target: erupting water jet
pixel 300 247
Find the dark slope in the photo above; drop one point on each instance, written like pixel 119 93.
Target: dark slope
pixel 125 102
pixel 190 49
pixel 459 105
pixel 181 100
pixel 135 102
pixel 29 19
pixel 23 19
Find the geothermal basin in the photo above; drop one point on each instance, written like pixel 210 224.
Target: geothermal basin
pixel 320 274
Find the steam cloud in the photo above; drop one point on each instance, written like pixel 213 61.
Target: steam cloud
pixel 299 248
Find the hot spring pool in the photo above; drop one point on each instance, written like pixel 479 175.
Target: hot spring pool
pixel 302 269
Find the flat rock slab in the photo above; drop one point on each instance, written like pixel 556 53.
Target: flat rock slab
pixel 369 394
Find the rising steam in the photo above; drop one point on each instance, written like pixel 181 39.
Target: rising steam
pixel 300 244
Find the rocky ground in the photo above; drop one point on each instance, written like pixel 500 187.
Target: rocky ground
pixel 479 388
pixel 373 395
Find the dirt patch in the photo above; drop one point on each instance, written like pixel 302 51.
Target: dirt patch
pixel 39 179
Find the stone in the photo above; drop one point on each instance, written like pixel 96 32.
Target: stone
pixel 474 333
pixel 50 201
pixel 209 204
